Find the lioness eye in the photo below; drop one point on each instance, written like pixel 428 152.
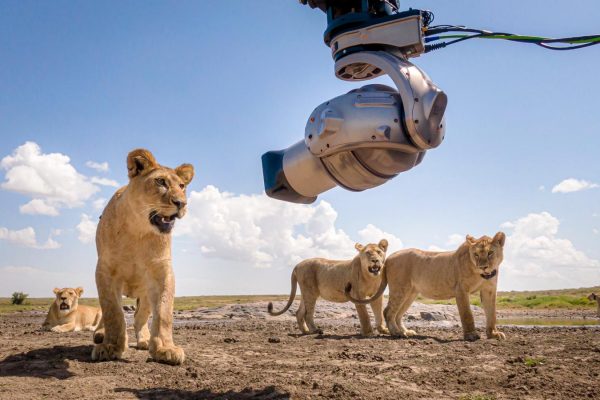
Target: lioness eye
pixel 161 182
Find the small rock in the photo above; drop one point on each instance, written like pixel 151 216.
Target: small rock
pixel 433 316
pixel 230 340
pixel 274 340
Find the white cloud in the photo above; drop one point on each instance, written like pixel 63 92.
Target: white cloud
pixel 100 167
pixel 454 240
pixel 534 257
pixel 596 231
pixel 38 206
pixel 49 178
pixel 541 188
pixel 27 237
pixel 38 282
pixel 86 229
pixel 573 185
pixel 264 232
pixel 99 203
pixel 372 234
pixel 104 181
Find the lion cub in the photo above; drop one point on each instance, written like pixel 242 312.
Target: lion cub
pixel 442 276
pixel 319 277
pixel 66 315
pixel 133 240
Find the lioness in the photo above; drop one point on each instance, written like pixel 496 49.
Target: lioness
pixel 66 315
pixel 441 276
pixel 596 298
pixel 133 240
pixel 319 277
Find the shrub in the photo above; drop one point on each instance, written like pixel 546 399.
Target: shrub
pixel 19 297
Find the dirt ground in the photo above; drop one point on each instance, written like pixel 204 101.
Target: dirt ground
pixel 238 352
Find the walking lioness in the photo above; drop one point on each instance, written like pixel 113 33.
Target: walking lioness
pixel 319 277
pixel 441 276
pixel 596 298
pixel 133 240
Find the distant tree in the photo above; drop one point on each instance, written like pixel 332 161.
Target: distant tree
pixel 19 297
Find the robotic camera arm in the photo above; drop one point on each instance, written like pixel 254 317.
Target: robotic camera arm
pixel 367 136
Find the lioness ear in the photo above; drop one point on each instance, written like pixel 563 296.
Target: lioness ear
pixel 359 246
pixel 383 244
pixel 140 162
pixel 471 239
pixel 79 291
pixel 56 290
pixel 500 238
pixel 185 172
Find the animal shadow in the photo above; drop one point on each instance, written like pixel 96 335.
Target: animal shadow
pixel 270 392
pixel 46 362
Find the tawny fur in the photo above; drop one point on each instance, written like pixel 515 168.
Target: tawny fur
pixel 134 259
pixel 74 318
pixel 321 278
pixel 442 276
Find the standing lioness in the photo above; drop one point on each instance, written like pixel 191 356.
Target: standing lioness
pixel 319 277
pixel 442 276
pixel 133 240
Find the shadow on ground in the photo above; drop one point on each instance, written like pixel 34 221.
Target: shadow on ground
pixel 270 392
pixel 46 362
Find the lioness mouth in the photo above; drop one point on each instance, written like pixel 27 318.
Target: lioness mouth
pixel 64 306
pixel 374 270
pixel 163 223
pixel 489 276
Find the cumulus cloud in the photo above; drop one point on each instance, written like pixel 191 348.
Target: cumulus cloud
pixel 104 181
pixel 264 232
pixel 48 178
pixel 38 206
pixel 100 167
pixel 573 185
pixel 99 203
pixel 86 229
pixel 27 237
pixel 372 234
pixel 535 256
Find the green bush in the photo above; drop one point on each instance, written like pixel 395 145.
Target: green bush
pixel 18 297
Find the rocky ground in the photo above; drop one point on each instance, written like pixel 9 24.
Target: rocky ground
pixel 238 352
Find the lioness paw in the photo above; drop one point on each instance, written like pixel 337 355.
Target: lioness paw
pixel 106 352
pixel 172 355
pixel 56 329
pixel 472 336
pixel 496 335
pixel 142 345
pixel 383 329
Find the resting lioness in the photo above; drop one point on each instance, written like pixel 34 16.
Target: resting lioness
pixel 596 298
pixel 66 315
pixel 133 240
pixel 319 277
pixel 442 276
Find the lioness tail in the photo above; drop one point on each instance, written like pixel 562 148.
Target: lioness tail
pixel 290 301
pixel 380 291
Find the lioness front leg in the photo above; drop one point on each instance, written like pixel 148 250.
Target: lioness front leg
pixel 488 300
pixel 114 340
pixel 365 321
pixel 466 316
pixel 64 328
pixel 142 313
pixel 162 289
pixel 377 308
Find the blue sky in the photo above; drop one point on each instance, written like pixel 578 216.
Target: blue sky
pixel 219 83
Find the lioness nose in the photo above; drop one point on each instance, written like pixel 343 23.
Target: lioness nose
pixel 63 298
pixel 179 203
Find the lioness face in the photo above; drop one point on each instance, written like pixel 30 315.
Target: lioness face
pixel 486 254
pixel 67 299
pixel 372 257
pixel 160 190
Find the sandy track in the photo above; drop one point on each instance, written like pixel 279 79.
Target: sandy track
pixel 237 352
